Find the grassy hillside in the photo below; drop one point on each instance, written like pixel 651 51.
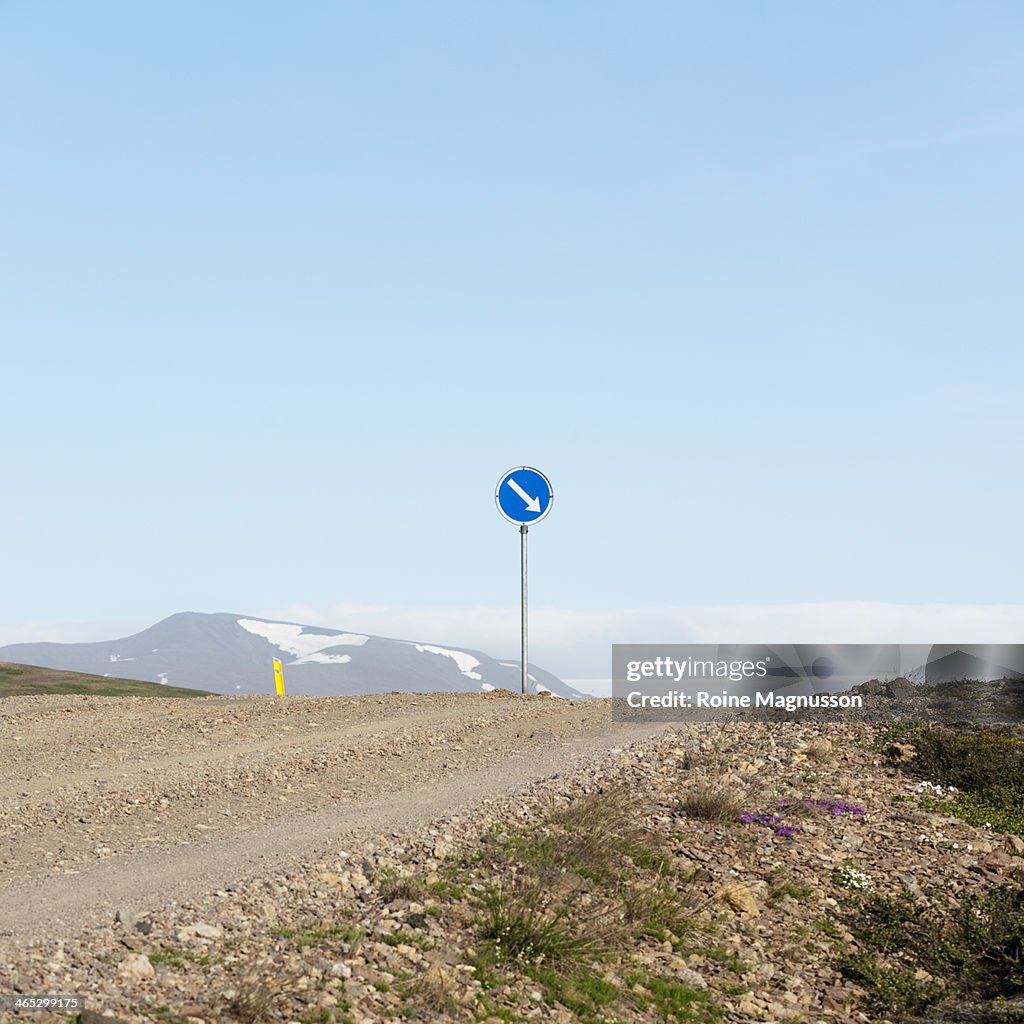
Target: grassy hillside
pixel 21 680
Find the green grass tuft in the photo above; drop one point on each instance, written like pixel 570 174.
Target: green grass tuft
pixel 673 1000
pixel 179 959
pixel 521 927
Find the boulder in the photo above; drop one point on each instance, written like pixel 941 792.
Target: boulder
pixel 872 688
pixel 136 966
pixel 900 689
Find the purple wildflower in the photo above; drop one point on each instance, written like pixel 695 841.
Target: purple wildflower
pixel 841 807
pixel 772 821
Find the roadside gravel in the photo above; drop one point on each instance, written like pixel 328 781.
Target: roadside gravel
pixel 107 801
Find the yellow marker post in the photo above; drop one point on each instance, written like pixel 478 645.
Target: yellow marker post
pixel 279 677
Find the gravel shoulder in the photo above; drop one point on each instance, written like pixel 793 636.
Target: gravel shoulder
pixel 114 802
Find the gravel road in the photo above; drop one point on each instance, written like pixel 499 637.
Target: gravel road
pixel 108 801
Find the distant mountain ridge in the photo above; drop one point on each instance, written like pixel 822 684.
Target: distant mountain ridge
pixel 994 662
pixel 228 653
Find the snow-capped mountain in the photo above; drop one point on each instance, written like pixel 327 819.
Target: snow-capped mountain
pixel 229 653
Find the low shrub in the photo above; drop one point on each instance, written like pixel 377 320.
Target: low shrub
pixel 972 760
pixel 979 773
pixel 910 957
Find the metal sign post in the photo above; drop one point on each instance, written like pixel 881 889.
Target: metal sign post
pixel 523 530
pixel 524 496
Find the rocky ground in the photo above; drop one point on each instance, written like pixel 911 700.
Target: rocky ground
pixel 768 834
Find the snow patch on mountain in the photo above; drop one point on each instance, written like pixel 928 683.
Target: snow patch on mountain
pixel 466 662
pixel 322 658
pixel 308 648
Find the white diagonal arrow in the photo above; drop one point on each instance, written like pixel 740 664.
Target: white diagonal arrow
pixel 532 504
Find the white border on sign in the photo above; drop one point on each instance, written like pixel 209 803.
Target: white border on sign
pixel 524 522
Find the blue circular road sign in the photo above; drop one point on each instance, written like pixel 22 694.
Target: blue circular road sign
pixel 524 495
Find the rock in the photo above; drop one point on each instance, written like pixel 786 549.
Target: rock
pixel 136 967
pixel 126 917
pixel 900 689
pixel 199 930
pixel 872 688
pixel 901 751
pixel 749 1007
pixel 1015 845
pixel 739 898
pixel 998 860
pixel 134 919
pixel 691 978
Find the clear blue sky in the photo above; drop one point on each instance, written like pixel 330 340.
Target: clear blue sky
pixel 285 288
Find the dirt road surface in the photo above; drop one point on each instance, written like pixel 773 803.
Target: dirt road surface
pixel 108 802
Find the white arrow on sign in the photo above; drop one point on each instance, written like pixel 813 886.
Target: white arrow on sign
pixel 532 504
